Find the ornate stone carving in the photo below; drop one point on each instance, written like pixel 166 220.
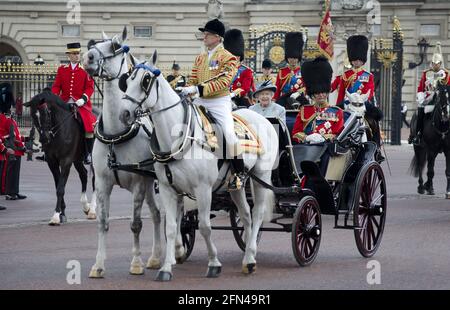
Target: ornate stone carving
pixel 214 9
pixel 352 4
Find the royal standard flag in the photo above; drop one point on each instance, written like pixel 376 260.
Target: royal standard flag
pixel 326 36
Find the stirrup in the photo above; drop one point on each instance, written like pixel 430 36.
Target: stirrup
pixel 236 182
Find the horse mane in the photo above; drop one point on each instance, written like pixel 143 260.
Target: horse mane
pixel 55 100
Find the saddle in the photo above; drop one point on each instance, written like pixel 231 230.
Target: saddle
pixel 248 139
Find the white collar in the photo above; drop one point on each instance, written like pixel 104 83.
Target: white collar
pixel 211 52
pixel 73 65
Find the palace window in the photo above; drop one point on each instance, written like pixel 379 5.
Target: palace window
pixel 430 30
pixel 143 31
pixel 70 30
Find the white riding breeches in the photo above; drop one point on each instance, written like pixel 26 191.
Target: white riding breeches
pixel 220 109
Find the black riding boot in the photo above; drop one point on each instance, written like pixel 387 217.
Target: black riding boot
pixel 417 139
pixel 239 176
pixel 88 150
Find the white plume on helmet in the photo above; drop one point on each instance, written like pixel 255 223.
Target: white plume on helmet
pixel 437 56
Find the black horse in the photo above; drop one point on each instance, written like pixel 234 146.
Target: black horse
pixel 435 139
pixel 61 134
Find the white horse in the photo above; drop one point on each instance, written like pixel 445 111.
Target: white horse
pixel 193 170
pixel 108 60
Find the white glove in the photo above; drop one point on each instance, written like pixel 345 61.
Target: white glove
pixel 295 95
pixel 232 95
pixel 314 138
pixel 80 102
pixel 420 98
pixel 190 90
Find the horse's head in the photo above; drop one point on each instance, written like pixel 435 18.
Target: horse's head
pixel 41 114
pixel 443 100
pixel 107 58
pixel 356 102
pixel 141 85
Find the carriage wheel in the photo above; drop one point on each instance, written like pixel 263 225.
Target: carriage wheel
pixel 235 221
pixel 306 231
pixel 369 212
pixel 189 224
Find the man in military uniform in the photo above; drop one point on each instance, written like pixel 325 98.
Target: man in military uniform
pixel 176 79
pixel 289 82
pixel 427 86
pixel 358 80
pixel 12 148
pixel 318 121
pixel 267 73
pixel 210 78
pixel 242 83
pixel 74 85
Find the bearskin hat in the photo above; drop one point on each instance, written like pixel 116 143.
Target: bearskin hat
pixel 266 64
pixel 357 47
pixel 317 76
pixel 233 42
pixel 293 45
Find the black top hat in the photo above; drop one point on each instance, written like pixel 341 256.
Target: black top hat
pixel 214 26
pixel 267 64
pixel 73 47
pixel 317 76
pixel 293 45
pixel 357 47
pixel 234 43
pixel 267 85
pixel 175 66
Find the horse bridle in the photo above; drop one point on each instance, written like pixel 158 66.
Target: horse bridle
pixel 116 50
pixel 442 108
pixel 52 132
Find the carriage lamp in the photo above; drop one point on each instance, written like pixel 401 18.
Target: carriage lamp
pixel 39 60
pixel 423 46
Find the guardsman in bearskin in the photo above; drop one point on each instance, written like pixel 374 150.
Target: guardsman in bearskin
pixel 211 78
pixel 318 122
pixel 242 83
pixel 176 79
pixel 358 80
pixel 74 85
pixel 267 73
pixel 425 91
pixel 12 147
pixel 289 82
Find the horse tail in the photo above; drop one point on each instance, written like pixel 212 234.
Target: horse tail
pixel 418 161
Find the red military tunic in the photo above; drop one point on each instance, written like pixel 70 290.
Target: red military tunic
pixel 288 81
pixel 327 121
pixel 243 81
pixel 354 80
pixel 74 84
pixel 5 125
pixel 422 84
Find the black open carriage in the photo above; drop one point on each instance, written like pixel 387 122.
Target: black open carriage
pixel 340 178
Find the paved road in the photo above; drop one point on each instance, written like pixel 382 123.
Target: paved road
pixel 415 251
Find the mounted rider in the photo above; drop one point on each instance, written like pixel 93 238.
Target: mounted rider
pixel 289 82
pixel 176 79
pixel 318 122
pixel 243 83
pixel 75 86
pixel 267 73
pixel 211 78
pixel 357 80
pixel 427 86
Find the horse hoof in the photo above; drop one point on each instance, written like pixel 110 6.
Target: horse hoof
pixel 97 273
pixel 213 271
pixel 430 192
pixel 91 216
pixel 136 270
pixel 249 268
pixel 63 219
pixel 153 263
pixel 163 276
pixel 55 220
pixel 53 223
pixel 421 190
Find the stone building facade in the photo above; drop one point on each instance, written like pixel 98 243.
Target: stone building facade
pixel 29 28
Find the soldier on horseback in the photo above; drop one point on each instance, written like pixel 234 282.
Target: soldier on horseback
pixel 243 83
pixel 74 85
pixel 176 79
pixel 211 78
pixel 425 91
pixel 359 81
pixel 289 82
